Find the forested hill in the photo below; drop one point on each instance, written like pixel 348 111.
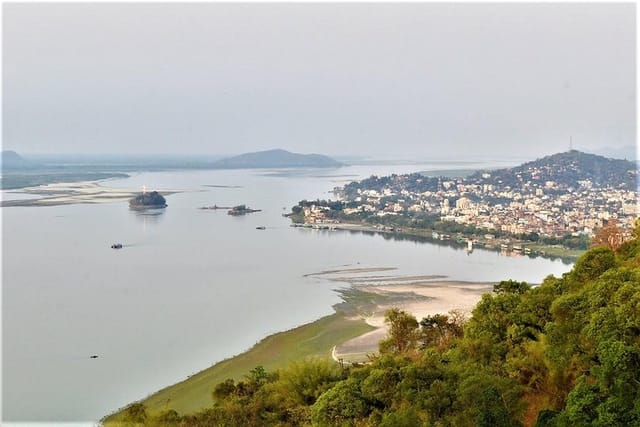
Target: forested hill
pixel 566 169
pixel 565 353
pixel 276 159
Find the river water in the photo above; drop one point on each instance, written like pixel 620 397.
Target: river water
pixel 190 287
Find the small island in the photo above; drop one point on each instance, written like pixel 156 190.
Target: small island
pixel 214 207
pixel 148 200
pixel 241 210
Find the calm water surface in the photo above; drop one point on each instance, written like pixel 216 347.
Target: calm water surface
pixel 190 288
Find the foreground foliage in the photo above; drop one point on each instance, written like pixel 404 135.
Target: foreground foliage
pixel 564 353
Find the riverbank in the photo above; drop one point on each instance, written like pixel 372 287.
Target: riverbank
pixel 315 339
pixel 531 249
pixel 191 287
pixel 348 336
pixel 421 299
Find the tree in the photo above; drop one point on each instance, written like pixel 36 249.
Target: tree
pixel 136 413
pixel 303 382
pixel 484 399
pixel 170 417
pixel 591 265
pixel 440 329
pixel 511 286
pixel 340 405
pixel 403 333
pixel 224 389
pixel 609 236
pixel 405 417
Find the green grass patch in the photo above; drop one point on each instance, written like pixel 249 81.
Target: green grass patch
pixel 314 339
pixel 550 251
pixel 356 302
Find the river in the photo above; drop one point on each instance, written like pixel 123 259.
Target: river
pixel 190 287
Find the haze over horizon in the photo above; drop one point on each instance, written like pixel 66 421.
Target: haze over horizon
pixel 382 80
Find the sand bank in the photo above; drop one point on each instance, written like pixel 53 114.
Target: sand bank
pixel 420 299
pixel 66 193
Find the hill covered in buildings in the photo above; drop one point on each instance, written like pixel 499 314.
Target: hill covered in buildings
pixel 276 159
pixel 557 201
pixel 569 169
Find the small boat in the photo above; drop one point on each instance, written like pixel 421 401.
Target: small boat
pixel 261 228
pixel 116 246
pixel 95 356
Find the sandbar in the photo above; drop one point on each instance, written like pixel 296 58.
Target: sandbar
pixel 67 193
pixel 420 299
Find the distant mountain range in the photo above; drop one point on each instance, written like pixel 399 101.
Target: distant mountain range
pixel 276 159
pixel 567 169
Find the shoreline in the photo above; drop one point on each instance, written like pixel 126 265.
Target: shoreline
pixel 346 336
pixel 69 193
pixel 313 339
pixel 420 299
pixel 552 252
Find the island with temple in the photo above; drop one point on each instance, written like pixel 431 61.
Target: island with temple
pixel 149 200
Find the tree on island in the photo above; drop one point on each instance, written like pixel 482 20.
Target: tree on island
pixel 148 200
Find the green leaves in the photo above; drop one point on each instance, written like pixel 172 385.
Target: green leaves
pixel 403 333
pixel 343 404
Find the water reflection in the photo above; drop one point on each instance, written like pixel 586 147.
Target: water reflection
pixel 148 215
pixel 453 244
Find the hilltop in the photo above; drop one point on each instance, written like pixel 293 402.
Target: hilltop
pixel 11 159
pixel 566 169
pixel 276 159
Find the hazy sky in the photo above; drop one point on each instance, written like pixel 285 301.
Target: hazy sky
pixel 405 80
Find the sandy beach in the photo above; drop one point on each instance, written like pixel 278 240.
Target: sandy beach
pixel 419 299
pixel 421 296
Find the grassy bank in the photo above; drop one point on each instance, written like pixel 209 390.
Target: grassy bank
pixel 314 339
pixel 554 251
